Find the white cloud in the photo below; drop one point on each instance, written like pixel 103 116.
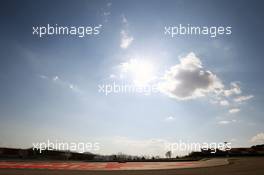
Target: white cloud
pixel 43 76
pixel 243 98
pixel 225 122
pixel 106 14
pixel 224 103
pixel 188 79
pixel 74 88
pixel 57 80
pixel 109 4
pixel 112 76
pixel 124 20
pixel 170 118
pixel 259 138
pixel 234 90
pixel 106 11
pixel 234 110
pixel 126 38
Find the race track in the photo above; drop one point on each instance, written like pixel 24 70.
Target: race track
pixel 110 166
pixel 236 166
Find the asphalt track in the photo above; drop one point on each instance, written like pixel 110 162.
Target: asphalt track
pixel 110 166
pixel 234 166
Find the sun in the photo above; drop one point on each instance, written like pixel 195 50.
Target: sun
pixel 140 71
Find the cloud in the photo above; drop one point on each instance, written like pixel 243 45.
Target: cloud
pixel 126 38
pixel 56 79
pixel 109 4
pixel 235 89
pixel 106 11
pixel 112 76
pixel 241 99
pixel 170 118
pixel 43 77
pixel 74 88
pixel 226 122
pixel 224 103
pixel 234 110
pixel 124 20
pixel 189 80
pixel 259 138
pixel 106 14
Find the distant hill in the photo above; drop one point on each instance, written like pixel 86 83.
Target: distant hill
pixel 14 153
pixel 256 150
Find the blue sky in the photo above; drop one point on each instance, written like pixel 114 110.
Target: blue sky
pixel 49 86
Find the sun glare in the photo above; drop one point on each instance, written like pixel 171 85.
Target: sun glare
pixel 141 71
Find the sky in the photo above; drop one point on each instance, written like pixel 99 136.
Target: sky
pixel 208 89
